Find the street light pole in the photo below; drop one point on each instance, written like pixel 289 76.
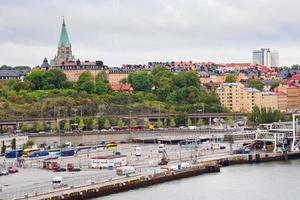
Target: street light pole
pixel 295 126
pixel 130 119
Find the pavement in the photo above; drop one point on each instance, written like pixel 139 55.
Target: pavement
pixel 34 180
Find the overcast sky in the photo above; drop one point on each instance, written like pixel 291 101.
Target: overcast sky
pixel 138 31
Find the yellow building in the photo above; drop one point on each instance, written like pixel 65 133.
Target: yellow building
pixel 231 95
pixel 269 100
pixel 237 98
pixel 292 96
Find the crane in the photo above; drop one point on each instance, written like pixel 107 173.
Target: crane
pixel 165 159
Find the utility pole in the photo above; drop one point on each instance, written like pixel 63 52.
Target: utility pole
pixel 42 110
pixel 130 119
pixel 295 129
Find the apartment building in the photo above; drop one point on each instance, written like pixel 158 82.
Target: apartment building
pixel 238 98
pixel 292 96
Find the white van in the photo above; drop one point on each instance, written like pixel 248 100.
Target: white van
pixel 138 151
pixel 192 127
pixel 161 148
pixel 57 182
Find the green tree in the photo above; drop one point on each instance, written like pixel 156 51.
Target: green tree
pixel 3 148
pixel 295 66
pixel 172 122
pixel 141 81
pixel 55 79
pixel 200 122
pixel 229 120
pixel 14 143
pixel 101 83
pixel 181 119
pixel 67 125
pixel 147 124
pixel 24 127
pixel 29 143
pixel 159 124
pixel 101 121
pixel 189 122
pixel 5 67
pixel 263 115
pixel 53 126
pixel 256 83
pixel 107 124
pixel 86 82
pixel 102 76
pixel 186 79
pixel 102 88
pixel 162 77
pixel 81 123
pixel 120 123
pixel 274 85
pixel 95 124
pixel 36 78
pixel 230 78
pixel 88 122
pixel 21 85
pixel 39 126
pixel 133 123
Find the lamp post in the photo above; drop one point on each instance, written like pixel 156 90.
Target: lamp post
pixel 295 126
pixel 130 119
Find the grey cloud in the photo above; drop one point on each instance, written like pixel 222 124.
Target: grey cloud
pixel 123 31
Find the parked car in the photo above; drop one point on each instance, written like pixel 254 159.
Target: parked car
pixel 3 172
pixel 12 170
pixel 117 152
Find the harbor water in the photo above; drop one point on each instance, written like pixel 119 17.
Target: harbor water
pixel 264 181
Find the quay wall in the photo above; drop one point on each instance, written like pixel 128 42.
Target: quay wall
pixel 98 191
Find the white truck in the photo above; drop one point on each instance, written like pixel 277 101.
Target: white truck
pixel 125 170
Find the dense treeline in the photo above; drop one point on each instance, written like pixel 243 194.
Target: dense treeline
pixel 49 94
pixel 5 67
pixel 263 115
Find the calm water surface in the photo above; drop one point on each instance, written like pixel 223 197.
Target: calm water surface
pixel 276 181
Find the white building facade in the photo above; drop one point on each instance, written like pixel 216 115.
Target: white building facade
pixel 265 57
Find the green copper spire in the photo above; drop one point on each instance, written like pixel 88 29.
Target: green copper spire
pixel 64 38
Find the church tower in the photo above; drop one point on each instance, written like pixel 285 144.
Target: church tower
pixel 64 51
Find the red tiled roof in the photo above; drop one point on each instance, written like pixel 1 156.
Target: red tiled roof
pixel 237 65
pixel 125 88
pixel 280 93
pixel 295 77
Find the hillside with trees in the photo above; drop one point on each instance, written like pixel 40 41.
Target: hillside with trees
pixel 49 94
